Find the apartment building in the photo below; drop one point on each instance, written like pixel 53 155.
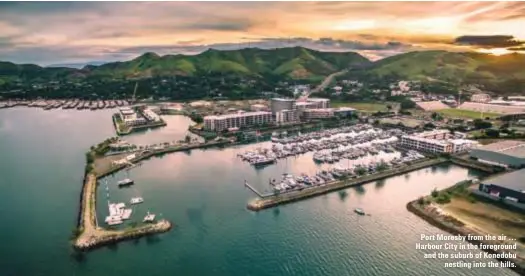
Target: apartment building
pixel 237 120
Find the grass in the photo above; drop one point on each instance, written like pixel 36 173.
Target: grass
pixel 466 114
pixel 366 107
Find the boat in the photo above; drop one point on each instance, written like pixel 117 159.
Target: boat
pixel 359 211
pixel 136 200
pixel 126 214
pixel 113 220
pixel 263 161
pixel 125 182
pixel 149 217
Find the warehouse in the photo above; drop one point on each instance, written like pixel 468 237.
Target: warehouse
pixel 509 186
pixel 505 154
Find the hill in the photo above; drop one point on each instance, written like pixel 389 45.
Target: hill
pixel 296 63
pixel 452 66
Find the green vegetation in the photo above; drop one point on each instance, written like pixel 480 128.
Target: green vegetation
pixel 466 114
pixel 296 63
pixel 460 189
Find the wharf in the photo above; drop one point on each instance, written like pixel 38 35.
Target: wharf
pixel 264 202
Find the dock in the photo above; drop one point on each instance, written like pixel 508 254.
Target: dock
pixel 259 194
pixel 264 202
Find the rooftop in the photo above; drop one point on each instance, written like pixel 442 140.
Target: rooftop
pixel 318 100
pixel 236 115
pixel 512 180
pixel 509 147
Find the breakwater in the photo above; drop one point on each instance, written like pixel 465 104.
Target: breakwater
pixel 91 236
pixel 274 200
pixel 158 152
pixel 455 227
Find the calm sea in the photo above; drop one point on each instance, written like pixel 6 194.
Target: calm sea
pixel 202 193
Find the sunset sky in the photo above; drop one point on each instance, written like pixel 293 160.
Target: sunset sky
pixel 76 32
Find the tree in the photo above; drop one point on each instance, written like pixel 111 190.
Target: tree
pixel 481 124
pixel 187 139
pixel 493 133
pixel 406 104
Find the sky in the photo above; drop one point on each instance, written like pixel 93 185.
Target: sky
pixel 49 33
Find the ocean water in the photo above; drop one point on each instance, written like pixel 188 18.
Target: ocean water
pixel 202 193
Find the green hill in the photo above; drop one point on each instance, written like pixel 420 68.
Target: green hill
pixel 297 62
pixel 452 66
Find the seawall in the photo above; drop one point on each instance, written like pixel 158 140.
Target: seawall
pixel 274 200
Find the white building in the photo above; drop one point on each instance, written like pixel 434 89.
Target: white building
pixel 321 103
pixel 286 116
pixel 258 107
pixel 436 141
pixel 480 98
pixel 130 118
pixel 238 120
pixel 150 115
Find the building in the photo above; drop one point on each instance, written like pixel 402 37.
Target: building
pixel 436 141
pixel 130 117
pixel 306 105
pixel 509 186
pixel 321 103
pixel 344 112
pixel 505 154
pixel 480 98
pixel 150 115
pixel 286 116
pixel 258 107
pixel 317 113
pixel 237 120
pixel 280 104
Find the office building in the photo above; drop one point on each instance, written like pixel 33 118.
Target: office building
pixel 321 103
pixel 280 104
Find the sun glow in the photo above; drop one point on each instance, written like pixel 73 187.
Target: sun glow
pixel 495 51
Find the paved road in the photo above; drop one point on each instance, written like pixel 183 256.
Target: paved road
pixel 323 84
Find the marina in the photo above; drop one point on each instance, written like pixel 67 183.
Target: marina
pixel 66 104
pixel 330 146
pixel 326 228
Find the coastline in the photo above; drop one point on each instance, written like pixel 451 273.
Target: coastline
pixel 453 226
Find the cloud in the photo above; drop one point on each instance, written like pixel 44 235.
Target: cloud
pixel 522 48
pixel 488 41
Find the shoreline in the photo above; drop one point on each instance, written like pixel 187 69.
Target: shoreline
pixel 275 200
pixel 454 226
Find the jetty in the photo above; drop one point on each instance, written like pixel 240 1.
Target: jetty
pixel 91 235
pixel 268 201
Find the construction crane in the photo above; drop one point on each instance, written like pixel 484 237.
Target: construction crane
pixel 133 99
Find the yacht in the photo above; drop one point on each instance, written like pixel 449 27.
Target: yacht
pixel 136 200
pixel 125 182
pixel 126 214
pixel 149 217
pixel 113 220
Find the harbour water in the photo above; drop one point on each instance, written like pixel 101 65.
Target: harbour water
pixel 202 193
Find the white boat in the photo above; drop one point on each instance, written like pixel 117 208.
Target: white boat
pixel 136 200
pixel 359 211
pixel 113 220
pixel 125 182
pixel 149 217
pixel 126 214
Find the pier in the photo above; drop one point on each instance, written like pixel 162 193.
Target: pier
pixel 264 202
pixel 257 192
pixel 91 235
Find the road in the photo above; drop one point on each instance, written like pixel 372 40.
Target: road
pixel 323 84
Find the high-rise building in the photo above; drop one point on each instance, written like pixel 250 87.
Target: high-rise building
pixel 280 104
